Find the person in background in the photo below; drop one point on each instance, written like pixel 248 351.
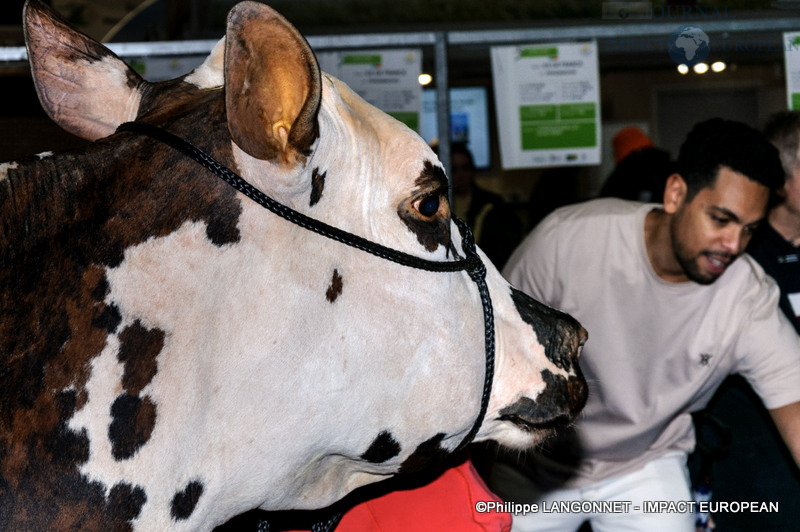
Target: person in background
pixel 641 169
pixel 777 245
pixel 496 228
pixel 758 466
pixel 672 306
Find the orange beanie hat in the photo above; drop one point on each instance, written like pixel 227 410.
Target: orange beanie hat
pixel 627 141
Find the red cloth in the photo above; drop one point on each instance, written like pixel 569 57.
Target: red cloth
pixel 445 505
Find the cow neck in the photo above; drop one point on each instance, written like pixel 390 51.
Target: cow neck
pixel 472 264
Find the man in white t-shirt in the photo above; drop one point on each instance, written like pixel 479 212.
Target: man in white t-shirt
pixel 671 310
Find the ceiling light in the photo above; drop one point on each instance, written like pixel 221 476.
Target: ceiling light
pixel 683 69
pixel 701 68
pixel 718 66
pixel 425 79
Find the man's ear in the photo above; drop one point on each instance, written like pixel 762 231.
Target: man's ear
pixel 674 193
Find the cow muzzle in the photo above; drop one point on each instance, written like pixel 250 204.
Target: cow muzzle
pixel 557 405
pixel 564 395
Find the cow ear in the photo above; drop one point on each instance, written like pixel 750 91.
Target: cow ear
pixel 82 85
pixel 272 85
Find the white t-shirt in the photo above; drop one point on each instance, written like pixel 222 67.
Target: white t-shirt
pixel 657 350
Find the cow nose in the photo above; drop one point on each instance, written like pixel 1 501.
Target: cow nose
pixel 563 396
pixel 559 333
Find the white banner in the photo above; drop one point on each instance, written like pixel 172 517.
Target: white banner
pixel 547 98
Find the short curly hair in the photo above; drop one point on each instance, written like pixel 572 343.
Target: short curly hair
pixel 715 143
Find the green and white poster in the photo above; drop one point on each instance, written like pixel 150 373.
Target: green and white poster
pixel 547 98
pixel 388 79
pixel 791 58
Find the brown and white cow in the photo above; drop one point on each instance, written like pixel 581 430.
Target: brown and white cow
pixel 174 354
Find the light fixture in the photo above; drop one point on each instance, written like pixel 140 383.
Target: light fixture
pixel 683 69
pixel 718 66
pixel 701 68
pixel 425 79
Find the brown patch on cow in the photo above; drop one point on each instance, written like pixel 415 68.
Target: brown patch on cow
pixel 384 447
pixel 109 319
pixel 127 500
pixel 427 452
pixel 25 482
pixel 335 289
pixel 133 420
pixel 185 501
pixel 317 186
pixel 138 350
pixel 431 231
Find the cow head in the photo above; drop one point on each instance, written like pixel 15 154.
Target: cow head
pixel 180 354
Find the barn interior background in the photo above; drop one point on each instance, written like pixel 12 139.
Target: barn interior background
pixel 637 86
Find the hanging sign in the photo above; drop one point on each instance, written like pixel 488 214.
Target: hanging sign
pixel 547 98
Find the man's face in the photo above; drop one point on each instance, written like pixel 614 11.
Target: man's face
pixel 713 229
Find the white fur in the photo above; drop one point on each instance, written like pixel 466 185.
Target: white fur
pixel 211 73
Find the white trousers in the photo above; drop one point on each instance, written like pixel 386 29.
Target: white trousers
pixel 640 496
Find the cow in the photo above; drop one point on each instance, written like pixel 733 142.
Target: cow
pixel 247 291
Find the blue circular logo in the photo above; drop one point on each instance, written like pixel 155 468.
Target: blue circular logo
pixel 688 45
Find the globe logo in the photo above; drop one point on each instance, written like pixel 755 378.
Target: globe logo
pixel 688 45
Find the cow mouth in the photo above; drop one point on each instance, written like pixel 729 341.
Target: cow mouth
pixel 556 406
pixel 526 424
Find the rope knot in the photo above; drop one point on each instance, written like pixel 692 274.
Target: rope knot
pixel 475 267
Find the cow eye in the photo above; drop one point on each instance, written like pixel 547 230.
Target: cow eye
pixel 429 205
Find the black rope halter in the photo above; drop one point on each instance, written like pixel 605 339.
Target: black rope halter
pixel 472 264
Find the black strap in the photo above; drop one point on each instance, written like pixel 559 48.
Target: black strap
pixel 479 276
